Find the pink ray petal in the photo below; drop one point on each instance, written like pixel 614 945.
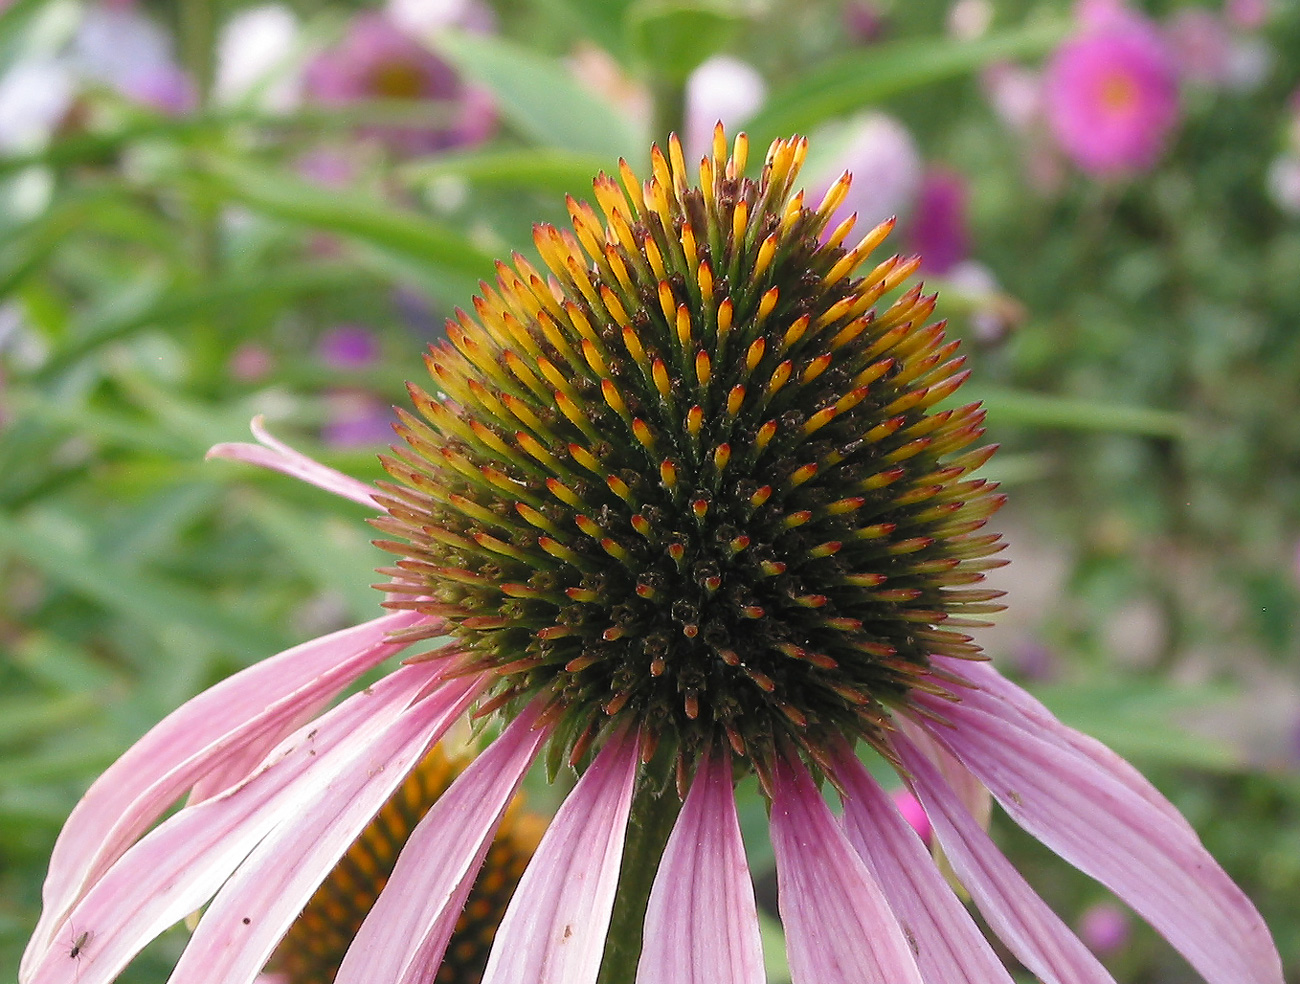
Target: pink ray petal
pixel 179 864
pixel 948 944
pixel 1022 920
pixel 278 456
pixel 554 929
pixel 998 695
pixel 701 926
pixel 237 721
pixel 838 927
pixel 1095 820
pixel 255 908
pixel 972 793
pixel 404 936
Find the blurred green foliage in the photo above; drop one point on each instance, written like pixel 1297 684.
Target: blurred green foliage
pixel 164 278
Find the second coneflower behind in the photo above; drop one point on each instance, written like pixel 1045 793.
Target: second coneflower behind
pixel 691 506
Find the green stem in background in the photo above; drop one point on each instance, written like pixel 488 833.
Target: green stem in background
pixel 654 811
pixel 669 114
pixel 198 34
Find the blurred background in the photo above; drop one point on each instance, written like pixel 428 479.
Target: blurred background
pixel 211 210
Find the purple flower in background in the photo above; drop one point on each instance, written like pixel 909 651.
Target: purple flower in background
pixel 1112 94
pixel 1106 928
pixel 886 166
pixel 348 347
pixel 938 228
pixel 357 419
pixel 119 47
pixel 378 60
pixel 865 21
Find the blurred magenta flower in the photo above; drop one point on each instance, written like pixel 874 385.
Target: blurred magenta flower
pixel 911 810
pixel 937 228
pixel 348 347
pixel 1106 928
pixel 1247 15
pixel 378 60
pixel 1112 93
pixel 357 419
pixel 865 21
pixel 554 511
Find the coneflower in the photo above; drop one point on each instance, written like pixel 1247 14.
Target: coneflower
pixel 691 504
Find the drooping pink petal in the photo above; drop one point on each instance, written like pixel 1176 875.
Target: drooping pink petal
pixel 278 456
pixel 240 719
pixel 1022 920
pixel 255 908
pixel 998 695
pixel 178 865
pixel 553 931
pixel 1095 820
pixel 404 936
pixel 701 926
pixel 838 927
pixel 947 943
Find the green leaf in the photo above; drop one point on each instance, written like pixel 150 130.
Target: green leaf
pixel 873 74
pixel 288 283
pixel 541 99
pixel 1020 409
pixel 182 620
pixel 539 168
pixel 673 38
pixel 1141 720
pixel 454 263
pixel 335 555
pixel 600 20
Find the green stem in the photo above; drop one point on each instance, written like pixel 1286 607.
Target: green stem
pixel 669 109
pixel 654 810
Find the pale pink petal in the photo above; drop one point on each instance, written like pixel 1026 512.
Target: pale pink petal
pixel 948 945
pixel 1095 820
pixel 1022 920
pixel 278 456
pixel 701 926
pixel 998 695
pixel 972 793
pixel 178 865
pixel 554 929
pixel 838 927
pixel 240 719
pixel 404 936
pixel 255 908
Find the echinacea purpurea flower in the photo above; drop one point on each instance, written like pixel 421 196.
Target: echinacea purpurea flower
pixel 687 506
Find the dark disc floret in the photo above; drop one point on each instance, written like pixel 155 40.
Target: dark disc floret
pixel 693 481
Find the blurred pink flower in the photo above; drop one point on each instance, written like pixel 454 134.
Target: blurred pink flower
pixel 1106 928
pixel 1112 93
pixel 1015 93
pixel 886 166
pixel 250 363
pixel 721 89
pixel 377 60
pixel 120 47
pixel 1247 15
pixel 938 229
pixel 1201 44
